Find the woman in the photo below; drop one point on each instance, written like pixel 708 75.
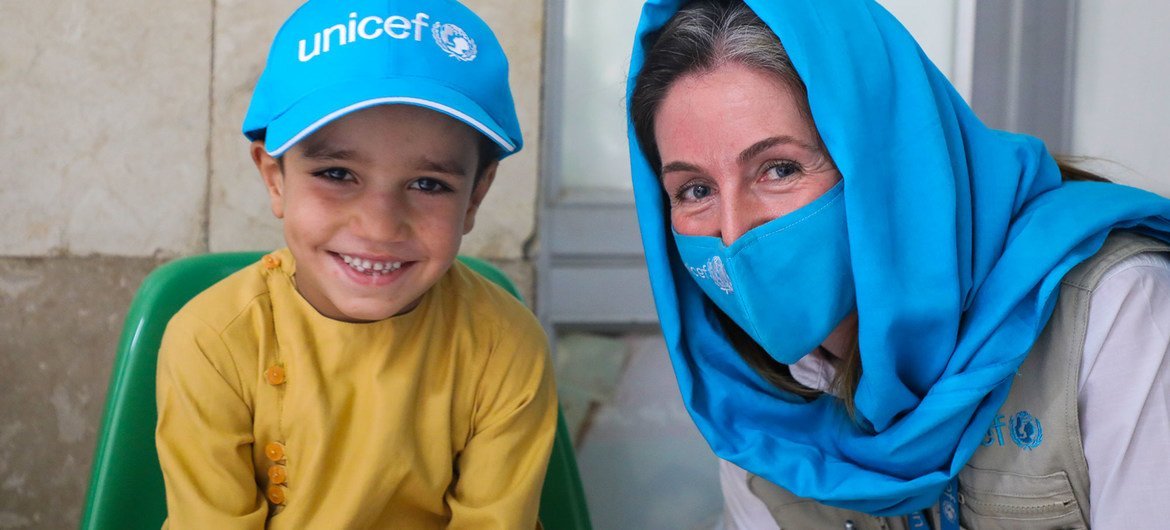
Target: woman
pixel 880 309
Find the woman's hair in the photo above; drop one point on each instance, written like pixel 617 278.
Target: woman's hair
pixel 701 37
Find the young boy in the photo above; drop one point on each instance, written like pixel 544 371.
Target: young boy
pixel 362 378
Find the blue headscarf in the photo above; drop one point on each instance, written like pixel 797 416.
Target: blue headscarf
pixel 959 237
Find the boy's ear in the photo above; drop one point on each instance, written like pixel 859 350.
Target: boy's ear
pixel 273 175
pixel 482 184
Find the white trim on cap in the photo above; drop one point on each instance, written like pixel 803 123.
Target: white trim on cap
pixel 503 142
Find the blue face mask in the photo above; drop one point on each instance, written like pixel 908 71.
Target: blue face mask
pixel 787 282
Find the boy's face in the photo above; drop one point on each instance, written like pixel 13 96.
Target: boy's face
pixel 374 207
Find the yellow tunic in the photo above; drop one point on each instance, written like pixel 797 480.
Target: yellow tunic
pixel 273 416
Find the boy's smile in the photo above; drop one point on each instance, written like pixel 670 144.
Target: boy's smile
pixel 375 205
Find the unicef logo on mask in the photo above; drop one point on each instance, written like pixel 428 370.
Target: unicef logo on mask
pixel 453 40
pixel 719 274
pixel 1026 430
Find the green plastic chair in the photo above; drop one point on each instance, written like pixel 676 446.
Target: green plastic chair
pixel 126 485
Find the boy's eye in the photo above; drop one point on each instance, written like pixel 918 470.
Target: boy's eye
pixel 430 185
pixel 334 173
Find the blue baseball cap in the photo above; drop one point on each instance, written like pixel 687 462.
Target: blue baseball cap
pixel 334 57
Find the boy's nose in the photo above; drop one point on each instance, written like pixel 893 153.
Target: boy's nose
pixel 382 218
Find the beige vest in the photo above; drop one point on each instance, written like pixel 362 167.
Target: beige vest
pixel 1031 471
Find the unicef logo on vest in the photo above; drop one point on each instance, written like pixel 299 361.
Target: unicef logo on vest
pixel 453 40
pixel 1023 428
pixel 1026 430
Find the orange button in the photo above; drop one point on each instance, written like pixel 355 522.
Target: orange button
pixel 274 451
pixel 276 494
pixel 277 474
pixel 270 262
pixel 275 375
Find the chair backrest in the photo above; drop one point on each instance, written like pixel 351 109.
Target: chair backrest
pixel 126 485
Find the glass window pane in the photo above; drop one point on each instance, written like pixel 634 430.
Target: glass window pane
pixel 592 131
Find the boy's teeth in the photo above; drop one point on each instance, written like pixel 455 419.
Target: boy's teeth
pixel 365 265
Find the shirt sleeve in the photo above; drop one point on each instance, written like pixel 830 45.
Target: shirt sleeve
pixel 742 510
pixel 204 433
pixel 500 472
pixel 1124 395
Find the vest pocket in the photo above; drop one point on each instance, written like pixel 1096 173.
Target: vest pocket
pixel 1001 500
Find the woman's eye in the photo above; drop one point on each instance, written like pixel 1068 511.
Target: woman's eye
pixel 700 191
pixel 781 170
pixel 693 192
pixel 430 185
pixel 334 173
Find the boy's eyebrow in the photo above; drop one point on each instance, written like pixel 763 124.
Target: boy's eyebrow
pixel 323 150
pixel 449 167
pixel 320 150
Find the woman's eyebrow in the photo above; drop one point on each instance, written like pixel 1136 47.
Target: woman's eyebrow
pixel 746 155
pixel 680 166
pixel 767 143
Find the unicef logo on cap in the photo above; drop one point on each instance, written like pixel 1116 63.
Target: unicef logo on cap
pixel 1026 430
pixel 453 40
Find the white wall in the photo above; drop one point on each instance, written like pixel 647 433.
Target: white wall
pixel 1121 111
pixel 933 24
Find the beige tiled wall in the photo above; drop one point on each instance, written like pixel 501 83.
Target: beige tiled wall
pixel 119 149
pixel 240 218
pixel 59 325
pixel 508 216
pixel 103 118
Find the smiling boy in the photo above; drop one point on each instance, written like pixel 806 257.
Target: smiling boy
pixel 374 206
pixel 363 378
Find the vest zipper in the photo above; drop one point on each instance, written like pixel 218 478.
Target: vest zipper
pixel 1013 509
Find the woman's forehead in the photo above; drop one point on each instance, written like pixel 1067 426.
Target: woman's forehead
pixel 733 110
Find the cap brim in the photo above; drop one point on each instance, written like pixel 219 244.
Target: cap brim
pixel 330 103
